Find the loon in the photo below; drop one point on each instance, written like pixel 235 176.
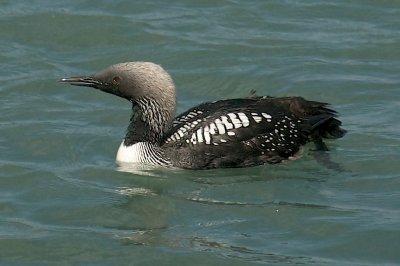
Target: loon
pixel 228 133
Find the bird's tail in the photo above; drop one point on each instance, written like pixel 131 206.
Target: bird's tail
pixel 320 120
pixel 326 126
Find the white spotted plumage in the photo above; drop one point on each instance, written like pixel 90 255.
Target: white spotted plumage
pixel 220 126
pixel 228 125
pixel 207 136
pixel 267 116
pixel 235 121
pixel 244 119
pixel 213 127
pixel 201 130
pixel 200 135
pixel 257 118
pixel 272 133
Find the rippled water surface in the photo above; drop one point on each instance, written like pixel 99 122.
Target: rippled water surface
pixel 64 202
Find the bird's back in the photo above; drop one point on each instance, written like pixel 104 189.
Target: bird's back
pixel 247 132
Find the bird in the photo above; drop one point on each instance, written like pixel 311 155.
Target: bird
pixel 228 133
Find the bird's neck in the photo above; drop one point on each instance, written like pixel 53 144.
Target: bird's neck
pixel 149 122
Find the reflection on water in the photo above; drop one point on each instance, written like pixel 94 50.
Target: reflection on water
pixel 246 254
pixel 135 191
pixel 138 169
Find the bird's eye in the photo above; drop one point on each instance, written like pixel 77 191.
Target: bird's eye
pixel 116 80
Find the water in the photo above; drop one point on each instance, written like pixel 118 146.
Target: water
pixel 63 202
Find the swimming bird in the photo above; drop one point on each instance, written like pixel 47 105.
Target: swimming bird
pixel 239 132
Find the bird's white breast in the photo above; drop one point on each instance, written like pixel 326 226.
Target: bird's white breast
pixel 141 153
pixel 130 154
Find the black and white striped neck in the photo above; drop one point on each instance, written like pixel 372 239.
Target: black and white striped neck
pixel 149 122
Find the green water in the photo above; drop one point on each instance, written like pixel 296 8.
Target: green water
pixel 63 202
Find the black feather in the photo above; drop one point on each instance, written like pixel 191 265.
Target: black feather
pixel 293 122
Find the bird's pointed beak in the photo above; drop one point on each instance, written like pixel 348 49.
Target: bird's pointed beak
pixel 87 81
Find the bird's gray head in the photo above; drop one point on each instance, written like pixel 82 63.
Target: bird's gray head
pixel 147 85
